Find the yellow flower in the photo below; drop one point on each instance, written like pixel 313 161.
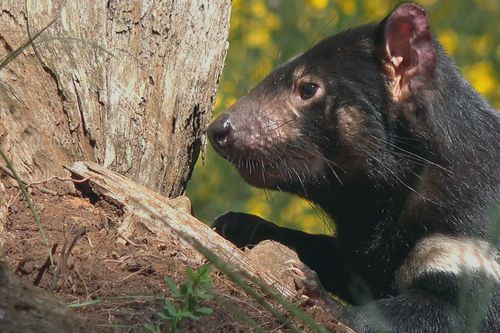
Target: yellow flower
pixel 258 206
pixel 273 22
pixel 481 75
pixel 218 100
pixel 348 7
pixel 258 38
pixel 318 4
pixel 258 9
pixel 376 9
pixel 449 40
pixel 230 101
pixel 295 211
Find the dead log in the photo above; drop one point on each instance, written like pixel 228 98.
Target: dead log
pixel 158 214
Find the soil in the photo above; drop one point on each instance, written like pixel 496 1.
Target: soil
pixel 116 284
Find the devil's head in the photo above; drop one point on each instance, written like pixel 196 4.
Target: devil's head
pixel 322 118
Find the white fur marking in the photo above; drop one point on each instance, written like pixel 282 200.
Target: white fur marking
pixel 397 61
pixel 293 108
pixel 447 254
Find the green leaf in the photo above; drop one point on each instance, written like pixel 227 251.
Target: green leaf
pixel 165 316
pixel 185 314
pixel 192 315
pixel 205 286
pixel 188 288
pixel 204 270
pixel 206 282
pixel 206 296
pixel 152 328
pixel 170 309
pixel 204 311
pixel 190 273
pixel 172 285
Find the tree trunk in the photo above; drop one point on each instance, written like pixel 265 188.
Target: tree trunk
pixel 28 309
pixel 128 84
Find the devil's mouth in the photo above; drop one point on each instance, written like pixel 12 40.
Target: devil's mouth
pixel 257 165
pixel 278 172
pixel 262 173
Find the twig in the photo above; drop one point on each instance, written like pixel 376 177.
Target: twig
pixel 13 199
pixel 131 242
pixel 134 273
pixel 62 266
pixel 42 189
pixel 45 265
pixel 37 183
pixel 83 281
pixel 63 179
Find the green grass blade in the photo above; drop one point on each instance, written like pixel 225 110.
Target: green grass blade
pixel 243 317
pixel 80 305
pixel 13 55
pixel 31 206
pixel 240 281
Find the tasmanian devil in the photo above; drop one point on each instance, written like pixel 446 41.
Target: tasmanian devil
pixel 376 126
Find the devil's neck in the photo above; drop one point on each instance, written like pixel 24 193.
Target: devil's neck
pixel 358 207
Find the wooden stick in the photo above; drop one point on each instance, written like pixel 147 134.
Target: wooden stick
pixel 158 214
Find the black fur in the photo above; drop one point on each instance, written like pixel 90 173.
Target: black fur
pixel 390 167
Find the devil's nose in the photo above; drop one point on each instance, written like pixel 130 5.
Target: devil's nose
pixel 221 133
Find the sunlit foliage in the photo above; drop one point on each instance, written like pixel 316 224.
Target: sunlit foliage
pixel 265 33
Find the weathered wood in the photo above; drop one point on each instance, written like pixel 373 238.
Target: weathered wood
pixel 128 84
pixel 159 215
pixel 3 211
pixel 27 309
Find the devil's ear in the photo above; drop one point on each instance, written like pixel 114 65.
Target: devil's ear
pixel 407 50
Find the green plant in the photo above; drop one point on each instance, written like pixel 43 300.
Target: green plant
pixel 186 300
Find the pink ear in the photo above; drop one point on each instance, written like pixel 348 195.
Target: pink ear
pixel 409 55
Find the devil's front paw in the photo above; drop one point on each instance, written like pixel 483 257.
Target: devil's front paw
pixel 244 229
pixel 306 280
pixel 308 284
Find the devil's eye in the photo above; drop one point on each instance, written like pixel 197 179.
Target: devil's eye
pixel 308 90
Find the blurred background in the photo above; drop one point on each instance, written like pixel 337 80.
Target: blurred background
pixel 266 33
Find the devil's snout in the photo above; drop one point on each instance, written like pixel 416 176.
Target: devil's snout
pixel 221 134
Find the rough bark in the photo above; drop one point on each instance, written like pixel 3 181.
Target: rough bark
pixel 128 84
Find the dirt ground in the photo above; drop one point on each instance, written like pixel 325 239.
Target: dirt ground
pixel 122 281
